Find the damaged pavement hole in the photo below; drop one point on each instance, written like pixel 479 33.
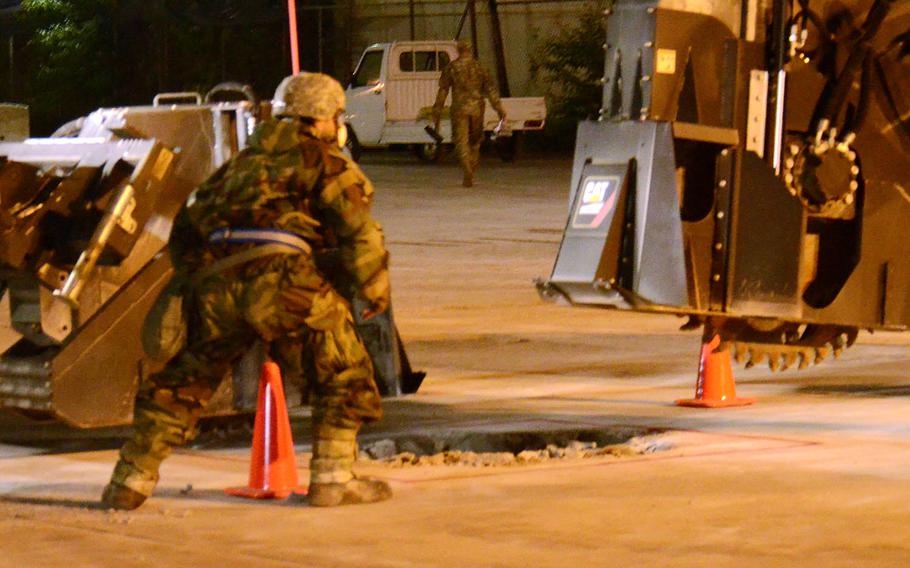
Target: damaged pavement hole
pixel 505 448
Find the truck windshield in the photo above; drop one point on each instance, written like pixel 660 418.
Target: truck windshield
pixel 369 71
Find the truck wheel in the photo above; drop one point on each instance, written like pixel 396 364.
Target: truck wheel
pixel 431 152
pixel 353 145
pixel 507 147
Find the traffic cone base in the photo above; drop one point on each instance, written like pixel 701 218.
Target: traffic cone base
pixel 701 403
pixel 273 465
pixel 256 493
pixel 716 387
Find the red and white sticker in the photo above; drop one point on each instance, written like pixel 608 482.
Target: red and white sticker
pixel 597 200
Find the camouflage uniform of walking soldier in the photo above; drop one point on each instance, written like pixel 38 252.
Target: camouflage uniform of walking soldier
pixel 469 83
pixel 244 249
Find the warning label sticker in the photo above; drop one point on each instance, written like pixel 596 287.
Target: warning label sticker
pixel 666 61
pixel 597 200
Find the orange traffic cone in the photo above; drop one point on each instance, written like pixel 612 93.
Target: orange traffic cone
pixel 273 466
pixel 716 387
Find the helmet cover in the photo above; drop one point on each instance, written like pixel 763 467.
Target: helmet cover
pixel 308 95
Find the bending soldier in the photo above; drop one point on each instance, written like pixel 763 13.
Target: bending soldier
pixel 469 83
pixel 244 245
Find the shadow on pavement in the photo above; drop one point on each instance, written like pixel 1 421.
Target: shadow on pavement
pixel 53 502
pixel 872 390
pixel 219 496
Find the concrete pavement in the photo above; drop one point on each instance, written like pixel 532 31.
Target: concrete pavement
pixel 816 473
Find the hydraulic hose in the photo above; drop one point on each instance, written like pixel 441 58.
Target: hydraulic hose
pixel 855 124
pixel 856 61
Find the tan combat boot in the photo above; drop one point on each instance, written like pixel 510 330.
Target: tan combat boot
pixel 121 497
pixel 135 476
pixel 467 180
pixel 331 481
pixel 130 486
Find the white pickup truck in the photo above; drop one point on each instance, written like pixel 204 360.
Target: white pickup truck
pixel 394 86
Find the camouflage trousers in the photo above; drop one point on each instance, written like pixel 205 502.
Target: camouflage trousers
pixel 467 134
pixel 281 299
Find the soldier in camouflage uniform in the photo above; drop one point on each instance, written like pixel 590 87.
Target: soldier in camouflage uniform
pixel 245 245
pixel 469 83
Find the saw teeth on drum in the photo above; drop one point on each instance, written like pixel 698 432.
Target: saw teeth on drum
pixel 838 345
pixel 739 353
pixel 821 353
pixel 759 356
pixel 789 359
pixel 790 352
pixel 754 358
pixel 851 338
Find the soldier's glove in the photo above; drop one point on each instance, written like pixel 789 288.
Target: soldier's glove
pixel 378 292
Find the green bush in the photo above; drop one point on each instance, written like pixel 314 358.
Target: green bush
pixel 70 58
pixel 570 64
pixel 85 54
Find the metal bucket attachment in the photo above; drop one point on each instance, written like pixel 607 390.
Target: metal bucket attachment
pixel 623 242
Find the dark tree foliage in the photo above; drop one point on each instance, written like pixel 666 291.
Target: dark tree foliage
pixel 69 57
pixel 570 64
pixel 84 54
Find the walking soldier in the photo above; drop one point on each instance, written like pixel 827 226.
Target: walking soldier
pixel 470 84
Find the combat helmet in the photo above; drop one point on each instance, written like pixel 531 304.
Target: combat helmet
pixel 308 95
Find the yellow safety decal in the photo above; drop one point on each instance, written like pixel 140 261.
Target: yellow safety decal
pixel 666 61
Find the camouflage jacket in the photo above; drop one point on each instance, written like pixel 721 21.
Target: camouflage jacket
pixel 288 179
pixel 469 83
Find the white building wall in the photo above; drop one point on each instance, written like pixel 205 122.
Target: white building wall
pixel 522 23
